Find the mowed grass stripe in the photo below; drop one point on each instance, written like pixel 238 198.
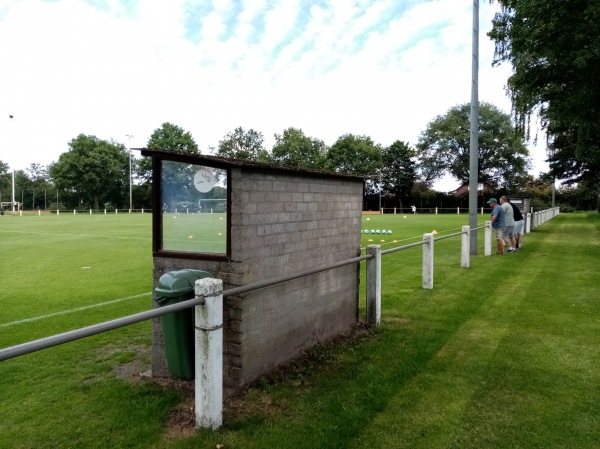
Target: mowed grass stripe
pixel 77 309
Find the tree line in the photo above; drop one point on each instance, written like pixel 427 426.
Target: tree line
pixel 95 173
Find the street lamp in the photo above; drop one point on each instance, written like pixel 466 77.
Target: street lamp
pixel 130 190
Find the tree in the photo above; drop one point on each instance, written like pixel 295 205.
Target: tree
pixel 40 184
pixel 169 138
pixel 398 173
pixel 444 147
pixel 554 50
pixel 93 170
pixel 5 178
pixel 296 149
pixel 242 144
pixel 354 155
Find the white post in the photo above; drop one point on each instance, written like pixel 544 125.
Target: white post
pixel 487 250
pixel 116 211
pixel 90 211
pixel 458 211
pixel 482 211
pixel 142 210
pixel 394 211
pixel 39 212
pixel 466 247
pixel 209 354
pixel 436 210
pixel 74 211
pixel 428 261
pixel 374 286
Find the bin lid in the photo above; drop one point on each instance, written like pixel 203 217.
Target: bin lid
pixel 175 283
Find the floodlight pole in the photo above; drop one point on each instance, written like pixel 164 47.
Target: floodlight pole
pixel 474 143
pixel 13 178
pixel 130 188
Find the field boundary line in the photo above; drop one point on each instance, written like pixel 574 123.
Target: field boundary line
pixel 77 309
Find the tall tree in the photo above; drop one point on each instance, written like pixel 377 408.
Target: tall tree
pixel 93 169
pixel 354 155
pixel 169 138
pixel 554 50
pixel 398 173
pixel 444 147
pixel 296 149
pixel 242 144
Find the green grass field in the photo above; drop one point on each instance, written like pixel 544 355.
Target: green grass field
pixel 501 355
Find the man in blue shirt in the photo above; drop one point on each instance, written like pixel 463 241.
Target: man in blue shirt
pixel 497 224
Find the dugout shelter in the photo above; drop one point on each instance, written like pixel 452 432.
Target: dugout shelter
pixel 246 222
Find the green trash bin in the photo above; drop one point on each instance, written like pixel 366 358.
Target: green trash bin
pixel 178 327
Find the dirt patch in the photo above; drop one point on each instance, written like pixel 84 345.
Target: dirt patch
pixel 256 399
pixel 132 371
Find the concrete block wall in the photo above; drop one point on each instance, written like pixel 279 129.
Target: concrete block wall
pixel 282 223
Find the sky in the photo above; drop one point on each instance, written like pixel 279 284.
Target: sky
pixel 119 69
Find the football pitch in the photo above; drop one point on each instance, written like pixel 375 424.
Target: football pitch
pixel 76 270
pixel 493 347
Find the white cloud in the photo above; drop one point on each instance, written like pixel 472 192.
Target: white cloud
pixel 328 68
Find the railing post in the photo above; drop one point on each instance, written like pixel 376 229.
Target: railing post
pixel 374 286
pixel 209 354
pixel 528 223
pixel 428 261
pixel 465 247
pixel 487 248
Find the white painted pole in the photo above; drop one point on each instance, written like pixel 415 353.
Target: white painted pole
pixel 209 354
pixel 374 286
pixel 465 255
pixel 487 250
pixel 458 211
pixel 528 223
pixel 428 261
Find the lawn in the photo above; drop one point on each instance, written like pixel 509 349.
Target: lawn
pixel 501 355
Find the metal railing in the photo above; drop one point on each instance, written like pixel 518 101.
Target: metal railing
pixel 373 307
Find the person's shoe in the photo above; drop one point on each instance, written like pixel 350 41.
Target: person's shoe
pixel 510 250
pixel 498 253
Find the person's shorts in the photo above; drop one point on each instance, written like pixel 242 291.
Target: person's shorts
pixel 518 229
pixel 508 231
pixel 499 233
